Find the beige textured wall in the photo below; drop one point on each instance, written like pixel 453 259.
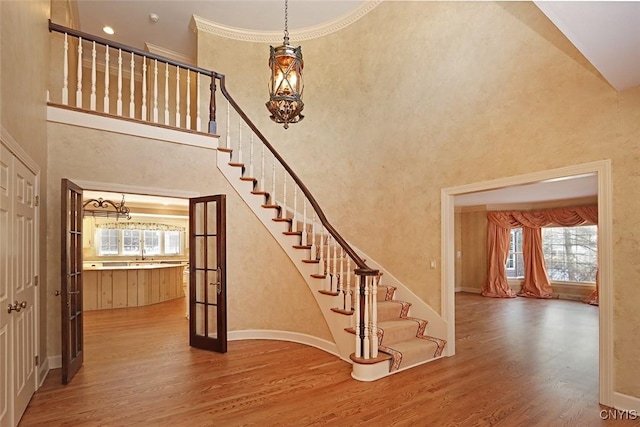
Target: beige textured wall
pixel 419 96
pixel 265 291
pixel 23 57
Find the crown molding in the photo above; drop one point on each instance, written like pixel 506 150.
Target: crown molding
pixel 200 24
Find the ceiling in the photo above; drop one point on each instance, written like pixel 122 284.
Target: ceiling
pixel 606 33
pixel 172 31
pixel 572 187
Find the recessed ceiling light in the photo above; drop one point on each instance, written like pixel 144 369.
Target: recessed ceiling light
pixel 107 29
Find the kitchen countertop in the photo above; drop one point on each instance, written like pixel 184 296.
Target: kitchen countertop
pixel 144 266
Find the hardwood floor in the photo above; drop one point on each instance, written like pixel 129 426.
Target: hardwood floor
pixel 519 362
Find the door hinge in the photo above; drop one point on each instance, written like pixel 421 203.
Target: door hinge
pixel 37 360
pixel 36 280
pixel 37 201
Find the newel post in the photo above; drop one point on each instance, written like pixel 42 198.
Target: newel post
pixel 365 306
pixel 213 128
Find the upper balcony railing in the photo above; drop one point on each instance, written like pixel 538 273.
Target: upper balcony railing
pixel 109 78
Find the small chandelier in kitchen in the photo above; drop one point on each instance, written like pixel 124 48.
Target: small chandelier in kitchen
pixel 286 85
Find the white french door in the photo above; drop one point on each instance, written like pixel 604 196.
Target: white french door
pixel 17 287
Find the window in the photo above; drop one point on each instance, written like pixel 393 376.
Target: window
pixel 107 242
pixel 172 242
pixel 139 241
pixel 571 253
pixel 515 263
pixel 130 242
pixel 151 242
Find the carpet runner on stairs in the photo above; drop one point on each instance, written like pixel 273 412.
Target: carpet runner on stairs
pixel 403 337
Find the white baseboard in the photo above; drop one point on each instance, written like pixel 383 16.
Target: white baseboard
pixel 626 402
pixel 467 289
pixel 264 334
pixel 43 371
pixel 55 362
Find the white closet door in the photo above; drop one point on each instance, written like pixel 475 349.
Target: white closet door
pixel 17 287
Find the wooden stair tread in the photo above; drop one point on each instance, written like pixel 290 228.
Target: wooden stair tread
pixel 281 219
pixel 331 293
pixel 292 233
pixel 271 206
pixel 225 150
pixel 236 164
pixel 260 192
pixel 318 276
pixel 301 246
pixel 311 261
pixel 342 311
pixel 247 178
pixel 381 358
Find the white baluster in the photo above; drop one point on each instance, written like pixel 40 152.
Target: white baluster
pixel 283 212
pixel 329 271
pixel 357 326
pixel 334 267
pixel 294 220
pixel 166 94
pixel 132 88
pixel 92 99
pixel 341 276
pixel 65 71
pixel 321 263
pixel 262 186
pixel 198 119
pixel 239 142
pixel 143 111
pixel 187 119
pixel 349 294
pixel 304 240
pixel 79 86
pixel 366 343
pixel 105 102
pixel 251 156
pixel 178 97
pixel 155 91
pixel 228 126
pixel 313 250
pixel 374 319
pixel 119 102
pixel 272 196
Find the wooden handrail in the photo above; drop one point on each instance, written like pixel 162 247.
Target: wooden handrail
pixel 90 37
pixel 363 269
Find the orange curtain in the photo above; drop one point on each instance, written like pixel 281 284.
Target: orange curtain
pixel 496 285
pixel 536 282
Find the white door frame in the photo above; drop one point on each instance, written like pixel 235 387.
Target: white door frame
pixel 602 169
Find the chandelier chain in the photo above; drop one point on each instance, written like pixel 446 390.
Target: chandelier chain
pixel 286 20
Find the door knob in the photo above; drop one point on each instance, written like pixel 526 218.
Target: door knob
pixel 23 304
pixel 14 307
pixel 57 293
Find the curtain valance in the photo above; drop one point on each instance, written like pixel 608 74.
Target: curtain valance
pixel 566 217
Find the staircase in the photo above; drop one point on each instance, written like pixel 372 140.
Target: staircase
pixel 402 341
pixel 380 327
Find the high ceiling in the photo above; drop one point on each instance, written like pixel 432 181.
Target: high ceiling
pixel 606 33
